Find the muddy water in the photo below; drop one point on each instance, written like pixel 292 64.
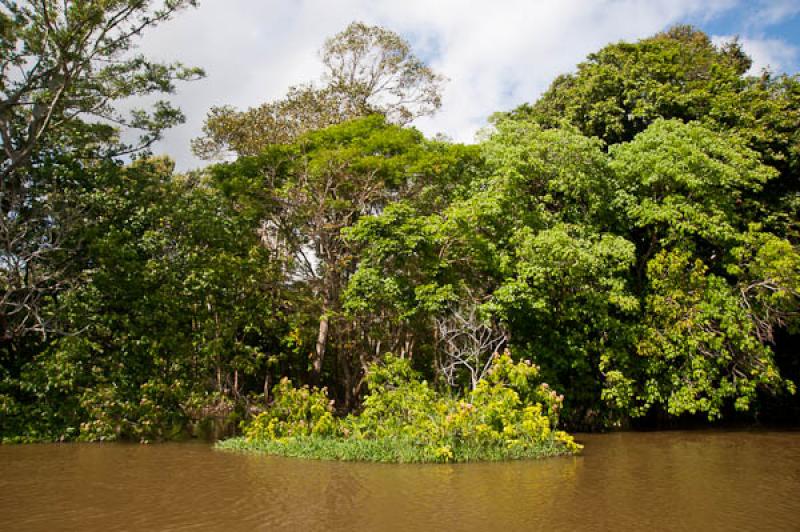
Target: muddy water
pixel 630 481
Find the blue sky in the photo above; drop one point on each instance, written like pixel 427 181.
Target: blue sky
pixel 496 54
pixel 760 22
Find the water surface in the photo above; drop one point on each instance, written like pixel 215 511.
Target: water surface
pixel 628 481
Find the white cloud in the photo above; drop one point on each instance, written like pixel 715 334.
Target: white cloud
pixel 773 12
pixel 496 53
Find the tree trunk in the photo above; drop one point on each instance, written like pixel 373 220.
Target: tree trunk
pixel 322 343
pixel 347 377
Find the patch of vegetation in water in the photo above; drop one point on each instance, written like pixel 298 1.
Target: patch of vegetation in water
pixel 509 414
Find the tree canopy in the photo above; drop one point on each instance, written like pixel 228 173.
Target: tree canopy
pixel 367 70
pixel 631 239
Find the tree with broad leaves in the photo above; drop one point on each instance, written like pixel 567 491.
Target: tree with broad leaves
pixel 64 67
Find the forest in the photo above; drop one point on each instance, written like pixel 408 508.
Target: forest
pixel 624 251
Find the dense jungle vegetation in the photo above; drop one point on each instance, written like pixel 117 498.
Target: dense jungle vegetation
pixel 631 238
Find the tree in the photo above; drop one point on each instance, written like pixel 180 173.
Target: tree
pixel 373 70
pixel 368 70
pixel 712 282
pixel 706 163
pixel 308 192
pixel 181 316
pixel 469 341
pixel 65 62
pixel 621 89
pixel 64 67
pixel 685 185
pixel 699 346
pixel 519 255
pixel 304 108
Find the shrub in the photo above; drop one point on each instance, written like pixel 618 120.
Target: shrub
pixel 293 412
pixel 510 414
pixel 509 409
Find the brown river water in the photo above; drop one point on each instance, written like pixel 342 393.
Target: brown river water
pixel 707 480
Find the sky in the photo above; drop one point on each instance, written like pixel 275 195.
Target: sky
pixel 496 54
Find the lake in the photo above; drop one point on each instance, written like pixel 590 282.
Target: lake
pixel 704 480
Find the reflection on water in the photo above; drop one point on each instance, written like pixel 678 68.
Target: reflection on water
pixel 627 481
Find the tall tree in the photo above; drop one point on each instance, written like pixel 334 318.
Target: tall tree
pixel 368 70
pixel 310 191
pixel 66 61
pixel 622 89
pixel 372 70
pixel 713 284
pixel 64 67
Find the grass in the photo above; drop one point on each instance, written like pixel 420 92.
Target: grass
pixel 387 450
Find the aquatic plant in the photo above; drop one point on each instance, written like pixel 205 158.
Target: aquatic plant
pixel 509 415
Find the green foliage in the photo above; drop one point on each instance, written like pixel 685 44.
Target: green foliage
pixel 308 195
pixel 620 90
pixel 509 415
pixel 73 61
pixel 706 273
pixel 569 302
pixel 294 412
pixel 553 242
pixel 549 174
pixel 66 68
pixel 768 271
pixel 698 347
pixel 683 182
pixel 177 304
pixel 634 234
pixel 367 70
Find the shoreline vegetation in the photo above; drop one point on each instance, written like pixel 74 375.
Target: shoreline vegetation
pixel 631 239
pixel 389 450
pixel 510 414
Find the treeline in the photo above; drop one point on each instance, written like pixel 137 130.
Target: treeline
pixel 634 233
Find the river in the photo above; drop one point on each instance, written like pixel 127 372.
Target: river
pixel 705 481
